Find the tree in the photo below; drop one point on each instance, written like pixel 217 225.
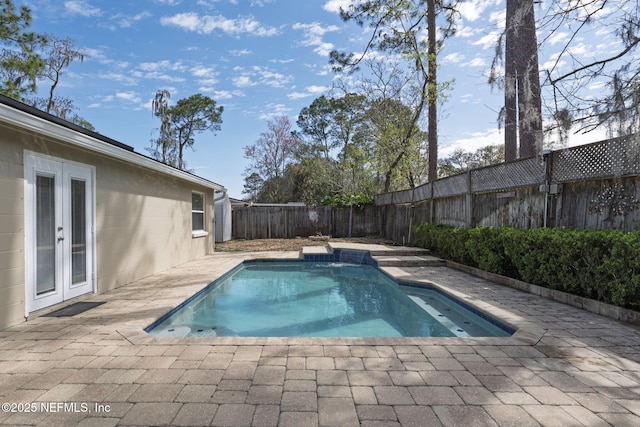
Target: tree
pixel 522 111
pixel 570 78
pixel 461 161
pixel 398 27
pixel 20 63
pixel 331 128
pixel 252 186
pixel 60 53
pixel 57 55
pixel 389 140
pixel 396 141
pixel 273 151
pixel 179 125
pixel 164 147
pixel 317 123
pixel 314 179
pixel 27 57
pixel 191 116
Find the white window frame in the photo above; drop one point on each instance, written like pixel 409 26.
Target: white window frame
pixel 201 232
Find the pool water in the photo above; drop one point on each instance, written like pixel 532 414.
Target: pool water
pixel 319 299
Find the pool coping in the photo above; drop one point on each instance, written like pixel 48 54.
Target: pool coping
pixel 525 334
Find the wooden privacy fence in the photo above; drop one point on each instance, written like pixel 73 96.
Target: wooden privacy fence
pixel 595 186
pixel 266 222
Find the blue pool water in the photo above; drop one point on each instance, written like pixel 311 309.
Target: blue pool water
pixel 319 299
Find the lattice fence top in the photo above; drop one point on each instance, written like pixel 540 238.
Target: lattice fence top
pixel 450 186
pixel 611 158
pixel 521 173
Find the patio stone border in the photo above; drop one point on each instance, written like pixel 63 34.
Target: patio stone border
pixel 593 306
pixel 524 334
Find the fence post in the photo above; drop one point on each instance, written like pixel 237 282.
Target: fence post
pixel 432 207
pixel 469 202
pixel 546 157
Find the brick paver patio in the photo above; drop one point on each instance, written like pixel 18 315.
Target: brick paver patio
pixel 565 367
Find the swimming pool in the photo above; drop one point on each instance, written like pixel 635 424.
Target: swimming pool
pixel 320 299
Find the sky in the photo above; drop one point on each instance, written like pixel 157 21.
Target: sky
pixel 256 58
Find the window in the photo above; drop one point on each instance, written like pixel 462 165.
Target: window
pixel 197 214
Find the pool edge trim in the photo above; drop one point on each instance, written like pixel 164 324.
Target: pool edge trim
pixel 523 333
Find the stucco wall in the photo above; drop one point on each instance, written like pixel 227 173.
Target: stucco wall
pixel 11 233
pixel 144 223
pixel 143 218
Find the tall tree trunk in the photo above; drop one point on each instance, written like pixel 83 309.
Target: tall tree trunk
pixel 510 85
pixel 530 108
pixel 432 126
pixel 522 109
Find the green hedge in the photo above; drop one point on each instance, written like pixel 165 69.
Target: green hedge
pixel 602 265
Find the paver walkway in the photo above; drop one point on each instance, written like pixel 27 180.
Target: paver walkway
pixel 569 368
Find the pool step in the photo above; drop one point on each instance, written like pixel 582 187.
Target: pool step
pixel 385 256
pixel 315 250
pixel 399 251
pixel 408 261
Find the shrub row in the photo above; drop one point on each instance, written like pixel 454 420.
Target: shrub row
pixel 601 265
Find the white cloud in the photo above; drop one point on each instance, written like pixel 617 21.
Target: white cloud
pixel 156 75
pixel 476 62
pixel 313 36
pixel 466 98
pixel 466 31
pixel 334 6
pixel 488 41
pixel 125 79
pixel 81 7
pixel 260 76
pixel 243 81
pixel 471 141
pixel 209 24
pixel 294 96
pixel 580 49
pixel 557 38
pixel 200 71
pixel 162 65
pixel 317 89
pixel 206 75
pixel 312 90
pixel 274 110
pixel 128 21
pixel 242 52
pixel 260 2
pixel 499 17
pixel 129 96
pixel 225 94
pixel 93 53
pixel 472 10
pixel 160 70
pixel 453 58
pixel 282 61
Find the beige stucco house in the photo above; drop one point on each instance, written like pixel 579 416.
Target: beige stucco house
pixel 81 213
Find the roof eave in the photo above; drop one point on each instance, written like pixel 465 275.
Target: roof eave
pixel 34 123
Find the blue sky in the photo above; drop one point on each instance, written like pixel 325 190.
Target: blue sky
pixel 256 58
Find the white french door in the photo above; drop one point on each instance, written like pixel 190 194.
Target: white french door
pixel 59 224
